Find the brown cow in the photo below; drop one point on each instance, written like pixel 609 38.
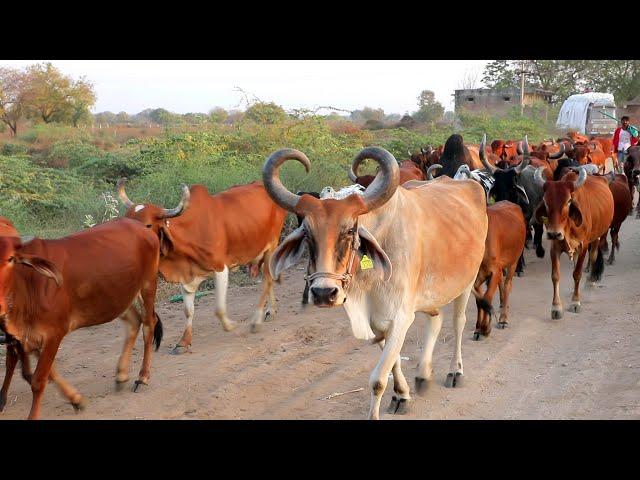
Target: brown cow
pixel 208 234
pixel 504 247
pixel 622 207
pixel 506 150
pixel 590 153
pixel 7 229
pixel 577 211
pixel 408 171
pixel 49 288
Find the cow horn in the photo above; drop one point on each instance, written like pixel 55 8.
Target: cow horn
pixel 526 157
pixel 555 156
pixel 409 152
pixel 122 194
pixel 539 179
pixel 182 206
pixel 431 169
pixel 352 176
pixel 484 161
pixel 519 148
pixel 581 179
pixel 271 176
pixel 387 179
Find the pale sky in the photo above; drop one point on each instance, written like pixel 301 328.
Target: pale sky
pixel 184 86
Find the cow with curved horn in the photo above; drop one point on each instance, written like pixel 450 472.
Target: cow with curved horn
pixel 372 253
pixel 212 234
pixel 577 211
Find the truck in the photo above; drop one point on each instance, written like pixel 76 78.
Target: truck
pixel 588 114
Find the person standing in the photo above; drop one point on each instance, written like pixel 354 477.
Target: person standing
pixel 623 138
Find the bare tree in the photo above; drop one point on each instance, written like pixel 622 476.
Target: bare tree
pixel 12 97
pixel 469 79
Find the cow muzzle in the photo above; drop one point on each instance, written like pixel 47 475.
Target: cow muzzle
pixel 555 235
pixel 326 292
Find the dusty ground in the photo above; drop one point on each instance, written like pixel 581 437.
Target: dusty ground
pixel 586 365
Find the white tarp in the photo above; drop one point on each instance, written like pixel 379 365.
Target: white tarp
pixel 573 114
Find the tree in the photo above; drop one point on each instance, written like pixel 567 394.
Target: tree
pixel 195 118
pixel 262 112
pixel 469 79
pixel 165 117
pixel 12 97
pixel 54 96
pixel 429 109
pixel 366 114
pixel 122 118
pixel 218 115
pixel 619 77
pixel 108 118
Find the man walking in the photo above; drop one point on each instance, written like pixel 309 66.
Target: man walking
pixel 623 138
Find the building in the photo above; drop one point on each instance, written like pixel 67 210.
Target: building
pixel 497 101
pixel 631 109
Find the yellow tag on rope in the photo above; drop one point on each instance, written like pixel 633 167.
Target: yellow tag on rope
pixel 366 263
pixel 545 220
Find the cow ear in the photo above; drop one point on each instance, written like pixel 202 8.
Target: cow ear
pixel 288 253
pixel 369 246
pixel 522 195
pixel 40 265
pixel 166 243
pixel 574 213
pixel 541 214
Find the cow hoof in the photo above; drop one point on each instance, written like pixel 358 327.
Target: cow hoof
pixel 556 314
pixel 476 336
pixel 520 274
pixel 3 403
pixel 422 385
pixel 229 325
pixel 120 384
pixel 138 383
pixel 502 325
pixel 610 261
pixel 79 406
pixel 180 349
pixel 398 406
pixel 540 251
pixel 453 380
pixel 256 327
pixel 575 308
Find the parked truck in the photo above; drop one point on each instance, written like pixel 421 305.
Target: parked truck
pixel 589 114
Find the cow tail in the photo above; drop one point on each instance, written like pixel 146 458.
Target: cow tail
pixel 521 265
pixel 157 332
pixel 482 303
pixel 598 267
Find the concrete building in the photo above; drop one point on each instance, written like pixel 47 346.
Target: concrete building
pixel 497 101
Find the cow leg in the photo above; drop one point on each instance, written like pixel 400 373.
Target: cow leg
pixel 399 402
pixel 132 321
pixel 614 240
pixel 577 276
pixel 456 371
pixel 537 239
pixel 267 290
pixel 556 306
pixel 10 365
pixel 40 376
pixel 222 284
pixel 75 398
pixel 483 325
pixel 188 291
pixel 272 311
pixel 151 331
pixel 425 365
pixel 390 354
pixel 505 291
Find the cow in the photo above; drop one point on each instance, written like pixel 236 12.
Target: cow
pixel 208 234
pixel 577 212
pixel 378 250
pixel 408 171
pixel 6 230
pixel 632 171
pixel 606 144
pixel 504 250
pixel 305 294
pixel 49 288
pixel 622 205
pixel 506 150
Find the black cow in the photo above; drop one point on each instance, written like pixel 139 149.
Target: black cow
pixel 305 294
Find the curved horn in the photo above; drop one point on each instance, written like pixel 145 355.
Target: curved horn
pixel 484 161
pixel 271 176
pixel 409 152
pixel 519 147
pixel 581 179
pixel 539 179
pixel 387 179
pixel 526 158
pixel 182 206
pixel 431 169
pixel 352 176
pixel 555 156
pixel 122 194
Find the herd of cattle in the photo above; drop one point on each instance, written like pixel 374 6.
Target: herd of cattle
pixel 372 243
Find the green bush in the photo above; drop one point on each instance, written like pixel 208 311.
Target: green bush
pixel 9 149
pixel 72 153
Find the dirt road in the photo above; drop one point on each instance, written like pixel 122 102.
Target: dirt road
pixel 584 366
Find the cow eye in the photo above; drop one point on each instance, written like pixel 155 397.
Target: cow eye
pixel 149 226
pixel 352 231
pixel 11 259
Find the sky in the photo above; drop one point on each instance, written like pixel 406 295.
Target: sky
pixel 183 86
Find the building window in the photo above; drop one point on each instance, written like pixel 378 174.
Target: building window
pixel 507 98
pixel 470 99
